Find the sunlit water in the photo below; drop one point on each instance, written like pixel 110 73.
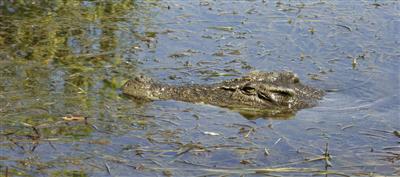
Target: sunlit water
pixel 69 60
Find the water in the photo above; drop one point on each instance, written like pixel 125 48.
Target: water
pixel 62 60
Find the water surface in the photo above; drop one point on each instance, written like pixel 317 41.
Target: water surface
pixel 67 60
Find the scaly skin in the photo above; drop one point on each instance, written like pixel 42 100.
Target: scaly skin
pixel 256 94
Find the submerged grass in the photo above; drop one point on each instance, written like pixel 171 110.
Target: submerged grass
pixel 243 171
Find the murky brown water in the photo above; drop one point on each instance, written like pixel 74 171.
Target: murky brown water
pixel 67 60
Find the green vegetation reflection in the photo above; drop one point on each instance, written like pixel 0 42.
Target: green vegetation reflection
pixel 63 57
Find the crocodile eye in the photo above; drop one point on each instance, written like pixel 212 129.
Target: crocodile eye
pixel 229 88
pixel 248 89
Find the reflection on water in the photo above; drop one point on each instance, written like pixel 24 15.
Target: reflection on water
pixel 68 59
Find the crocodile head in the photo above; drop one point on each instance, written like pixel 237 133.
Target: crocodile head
pixel 270 93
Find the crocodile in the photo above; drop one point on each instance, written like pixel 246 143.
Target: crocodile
pixel 257 94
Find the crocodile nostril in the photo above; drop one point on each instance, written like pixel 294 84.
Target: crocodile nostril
pixel 141 78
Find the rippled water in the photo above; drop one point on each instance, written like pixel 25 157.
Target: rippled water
pixel 64 60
